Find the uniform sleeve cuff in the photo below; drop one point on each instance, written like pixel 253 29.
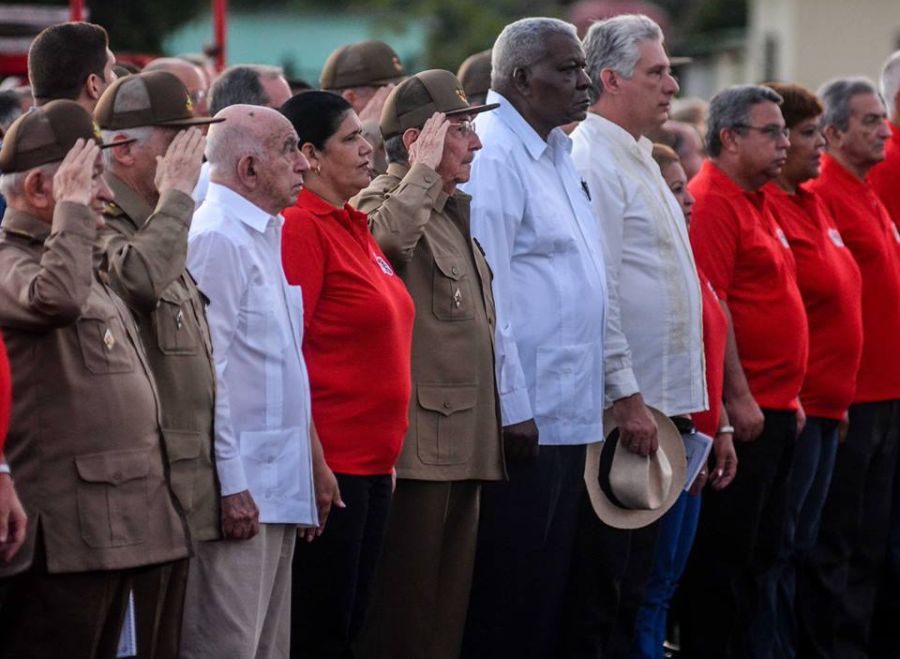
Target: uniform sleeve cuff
pixel 231 476
pixel 515 407
pixel 620 384
pixel 75 218
pixel 177 204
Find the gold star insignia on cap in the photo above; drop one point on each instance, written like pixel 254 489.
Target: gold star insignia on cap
pixel 189 104
pixel 462 95
pixel 108 339
pixel 97 135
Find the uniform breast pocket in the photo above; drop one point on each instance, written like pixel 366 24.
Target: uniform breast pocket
pixel 444 423
pixel 105 345
pixel 175 333
pixel 264 331
pixel 112 495
pixel 452 292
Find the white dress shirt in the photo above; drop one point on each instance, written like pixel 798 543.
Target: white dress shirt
pixel 262 420
pixel 533 219
pixel 654 335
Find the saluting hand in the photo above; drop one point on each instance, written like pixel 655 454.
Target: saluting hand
pixel 179 169
pixel 428 149
pixel 73 180
pixel 372 109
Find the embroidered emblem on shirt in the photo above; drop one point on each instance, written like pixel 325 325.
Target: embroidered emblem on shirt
pixel 782 238
pixel 835 236
pixel 108 339
pixel 457 298
pixel 385 268
pixel 179 319
pixel 896 233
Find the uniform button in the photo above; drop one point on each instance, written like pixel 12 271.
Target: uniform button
pixel 445 405
pixel 270 460
pixel 454 270
pixel 117 476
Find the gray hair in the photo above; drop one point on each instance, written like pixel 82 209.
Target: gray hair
pixel 730 108
pixel 13 184
pixel 141 134
pixel 395 150
pixel 522 44
pixel 836 95
pixel 613 44
pixel 240 85
pixel 890 83
pixel 226 145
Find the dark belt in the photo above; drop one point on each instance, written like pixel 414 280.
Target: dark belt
pixel 685 425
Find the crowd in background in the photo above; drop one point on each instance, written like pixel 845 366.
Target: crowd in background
pixel 416 366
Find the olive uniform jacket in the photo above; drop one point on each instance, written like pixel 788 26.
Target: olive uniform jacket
pixel 84 440
pixel 144 253
pixel 454 427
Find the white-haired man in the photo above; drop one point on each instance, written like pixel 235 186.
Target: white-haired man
pixel 533 218
pixel 654 345
pixel 239 589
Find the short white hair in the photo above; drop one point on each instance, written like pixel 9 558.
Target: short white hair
pixel 13 184
pixel 613 44
pixel 523 43
pixel 890 84
pixel 141 134
pixel 226 144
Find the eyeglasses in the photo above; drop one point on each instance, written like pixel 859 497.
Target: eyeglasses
pixel 464 128
pixel 197 96
pixel 772 131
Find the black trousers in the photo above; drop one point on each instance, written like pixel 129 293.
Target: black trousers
pixel 836 592
pixel 332 576
pixel 737 543
pixel 610 571
pixel 525 541
pixel 158 607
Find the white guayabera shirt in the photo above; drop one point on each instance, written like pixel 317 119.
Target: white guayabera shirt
pixel 256 321
pixel 654 336
pixel 533 219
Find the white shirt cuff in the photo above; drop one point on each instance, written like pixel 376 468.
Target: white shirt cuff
pixel 515 407
pixel 231 476
pixel 620 384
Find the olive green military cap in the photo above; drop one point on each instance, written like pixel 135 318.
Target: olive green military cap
pixel 150 98
pixel 361 64
pixel 415 99
pixel 46 134
pixel 475 73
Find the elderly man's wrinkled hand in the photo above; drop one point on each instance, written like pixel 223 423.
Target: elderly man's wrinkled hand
pixel 179 169
pixel 13 520
pixel 746 417
pixel 638 432
pixel 328 495
pixel 240 516
pixel 428 149
pixel 520 441
pixel 73 180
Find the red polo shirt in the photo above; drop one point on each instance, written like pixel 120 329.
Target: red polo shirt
pixel 831 286
pixel 715 335
pixel 357 337
pixel 885 176
pixel 748 260
pixel 874 241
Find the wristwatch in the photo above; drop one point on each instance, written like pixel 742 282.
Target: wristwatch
pixel 725 430
pixel 4 469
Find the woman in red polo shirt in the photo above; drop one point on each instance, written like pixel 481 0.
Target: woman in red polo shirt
pixel 830 284
pixel 12 515
pixel 358 320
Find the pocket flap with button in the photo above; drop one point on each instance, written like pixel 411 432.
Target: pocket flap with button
pixel 114 467
pixel 450 266
pixel 182 444
pixel 447 399
pixel 175 295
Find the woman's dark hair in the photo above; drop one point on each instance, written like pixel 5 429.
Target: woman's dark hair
pixel 799 104
pixel 316 115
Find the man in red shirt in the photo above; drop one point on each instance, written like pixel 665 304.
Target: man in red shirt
pixel 885 175
pixel 748 260
pixel 840 586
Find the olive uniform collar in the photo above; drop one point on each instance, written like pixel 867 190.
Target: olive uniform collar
pixel 23 225
pixel 126 202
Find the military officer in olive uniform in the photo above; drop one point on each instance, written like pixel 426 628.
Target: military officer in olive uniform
pixel 144 248
pixel 421 222
pixel 84 442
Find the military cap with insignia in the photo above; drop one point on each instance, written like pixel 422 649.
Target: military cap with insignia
pixel 361 64
pixel 475 74
pixel 151 98
pixel 46 135
pixel 413 101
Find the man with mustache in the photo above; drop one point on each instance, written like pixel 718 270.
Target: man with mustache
pixel 533 217
pixel 421 221
pixel 746 255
